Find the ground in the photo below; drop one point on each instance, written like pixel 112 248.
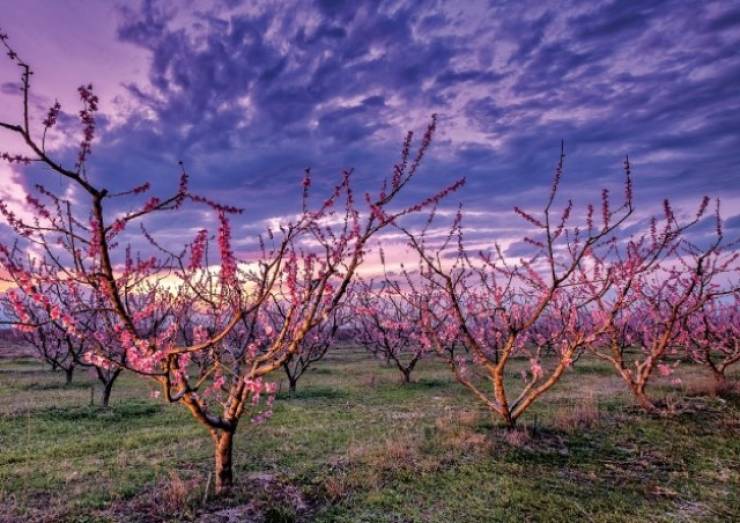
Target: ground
pixel 355 445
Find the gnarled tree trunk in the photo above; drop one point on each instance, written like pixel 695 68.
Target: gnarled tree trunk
pixel 224 466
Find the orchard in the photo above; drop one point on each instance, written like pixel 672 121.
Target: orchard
pixel 91 287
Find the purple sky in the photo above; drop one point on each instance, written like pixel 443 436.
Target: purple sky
pixel 250 93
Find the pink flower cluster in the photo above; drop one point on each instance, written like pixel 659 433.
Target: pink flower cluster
pixel 197 250
pixel 20 311
pixel 52 115
pixel 87 117
pixel 228 262
pixel 256 388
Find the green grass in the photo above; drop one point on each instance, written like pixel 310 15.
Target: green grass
pixel 354 445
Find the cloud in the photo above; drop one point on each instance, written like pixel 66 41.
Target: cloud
pixel 249 95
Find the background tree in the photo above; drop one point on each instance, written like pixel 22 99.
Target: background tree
pixel 314 346
pixel 35 304
pixel 714 337
pixel 387 323
pixel 651 287
pixel 492 305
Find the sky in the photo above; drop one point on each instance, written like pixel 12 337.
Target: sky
pixel 248 94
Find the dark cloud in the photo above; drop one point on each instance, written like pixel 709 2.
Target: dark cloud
pixel 248 95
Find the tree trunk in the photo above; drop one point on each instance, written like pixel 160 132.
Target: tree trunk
pixel 507 418
pixel 68 373
pixel 292 386
pixel 636 386
pixel 643 400
pixel 406 376
pixel 107 388
pixel 720 382
pixel 107 380
pixel 224 471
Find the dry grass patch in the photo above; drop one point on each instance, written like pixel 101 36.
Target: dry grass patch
pixel 581 415
pixel 460 433
pixel 705 385
pixel 392 455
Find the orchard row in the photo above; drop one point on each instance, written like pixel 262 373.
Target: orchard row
pixel 89 284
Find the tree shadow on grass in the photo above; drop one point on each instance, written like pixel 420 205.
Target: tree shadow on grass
pixel 626 448
pixel 56 385
pixel 115 413
pixel 320 370
pixel 595 370
pixel 309 393
pixel 429 383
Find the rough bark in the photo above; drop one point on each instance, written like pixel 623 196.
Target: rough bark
pixel 224 469
pixel 643 399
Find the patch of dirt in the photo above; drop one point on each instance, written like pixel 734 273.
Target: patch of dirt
pixel 274 501
pixel 527 440
pixel 256 498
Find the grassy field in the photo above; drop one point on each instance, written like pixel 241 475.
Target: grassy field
pixel 354 445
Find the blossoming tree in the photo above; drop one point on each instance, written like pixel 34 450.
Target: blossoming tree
pixel 714 337
pixel 34 305
pixel 315 345
pixel 651 286
pixel 492 304
pixel 217 366
pixel 387 322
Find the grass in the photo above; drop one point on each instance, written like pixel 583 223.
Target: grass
pixel 354 445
